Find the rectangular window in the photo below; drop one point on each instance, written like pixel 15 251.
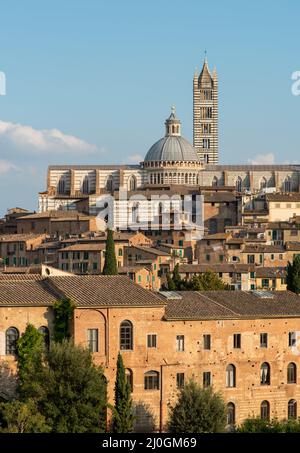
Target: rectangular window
pixel 151 340
pixel 206 379
pixel 206 341
pixel 85 255
pixel 180 343
pixel 263 340
pixel 250 259
pixel 221 258
pixel 265 283
pixel 292 339
pixel 92 340
pixel 180 380
pixel 237 340
pixel 95 266
pixel 207 257
pixel 120 252
pixel 151 380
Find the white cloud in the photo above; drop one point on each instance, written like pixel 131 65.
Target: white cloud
pixel 135 159
pixel 26 138
pixel 263 159
pixel 6 166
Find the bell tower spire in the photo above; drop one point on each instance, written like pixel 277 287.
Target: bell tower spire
pixel 205 110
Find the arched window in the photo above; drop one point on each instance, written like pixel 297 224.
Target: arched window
pixel 109 183
pixel 287 184
pixel 186 178
pixel 12 336
pixel 215 181
pixel 292 409
pixel 265 374
pixel 151 380
pixel 230 376
pixel 263 183
pixel 239 184
pixel 129 378
pixel 86 185
pixel 126 335
pixel 61 187
pixel 230 414
pixel 132 183
pixel 265 410
pixel 45 332
pixel 291 373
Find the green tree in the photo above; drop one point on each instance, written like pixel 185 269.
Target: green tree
pixel 208 281
pixel 170 283
pixel 30 354
pixel 110 263
pixel 22 417
pixel 122 414
pixel 198 410
pixel 293 275
pixel 73 395
pixel 258 425
pixel 176 278
pixel 63 313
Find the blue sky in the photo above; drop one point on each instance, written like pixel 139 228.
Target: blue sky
pixel 92 81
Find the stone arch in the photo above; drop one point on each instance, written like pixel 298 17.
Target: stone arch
pixel 91 319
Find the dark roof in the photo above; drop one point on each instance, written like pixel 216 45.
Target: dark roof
pixel 264 248
pixel 25 290
pixel 232 305
pixel 93 167
pixel 151 250
pixel 219 197
pixel 283 196
pixel 225 268
pixel 103 291
pixel 250 167
pixel 270 272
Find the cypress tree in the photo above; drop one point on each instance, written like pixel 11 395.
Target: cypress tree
pixel 293 275
pixel 123 417
pixel 170 283
pixel 110 263
pixel 176 278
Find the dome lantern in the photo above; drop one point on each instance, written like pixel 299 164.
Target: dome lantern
pixel 173 124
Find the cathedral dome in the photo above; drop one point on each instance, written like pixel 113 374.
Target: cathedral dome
pixel 172 147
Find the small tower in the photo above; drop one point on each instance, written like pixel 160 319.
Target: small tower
pixel 173 124
pixel 205 110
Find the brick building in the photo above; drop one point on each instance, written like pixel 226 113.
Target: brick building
pixel 245 344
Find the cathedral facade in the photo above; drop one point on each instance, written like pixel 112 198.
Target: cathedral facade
pixel 172 162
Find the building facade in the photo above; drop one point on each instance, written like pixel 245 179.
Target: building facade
pixel 242 343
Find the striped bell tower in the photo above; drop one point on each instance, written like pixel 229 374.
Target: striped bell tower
pixel 205 114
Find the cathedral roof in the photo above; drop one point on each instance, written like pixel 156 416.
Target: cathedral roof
pixel 172 147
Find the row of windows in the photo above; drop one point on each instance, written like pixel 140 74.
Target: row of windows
pixel 264 411
pixel 177 178
pixel 12 335
pixel 126 339
pixel 265 374
pixel 86 185
pixel 263 183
